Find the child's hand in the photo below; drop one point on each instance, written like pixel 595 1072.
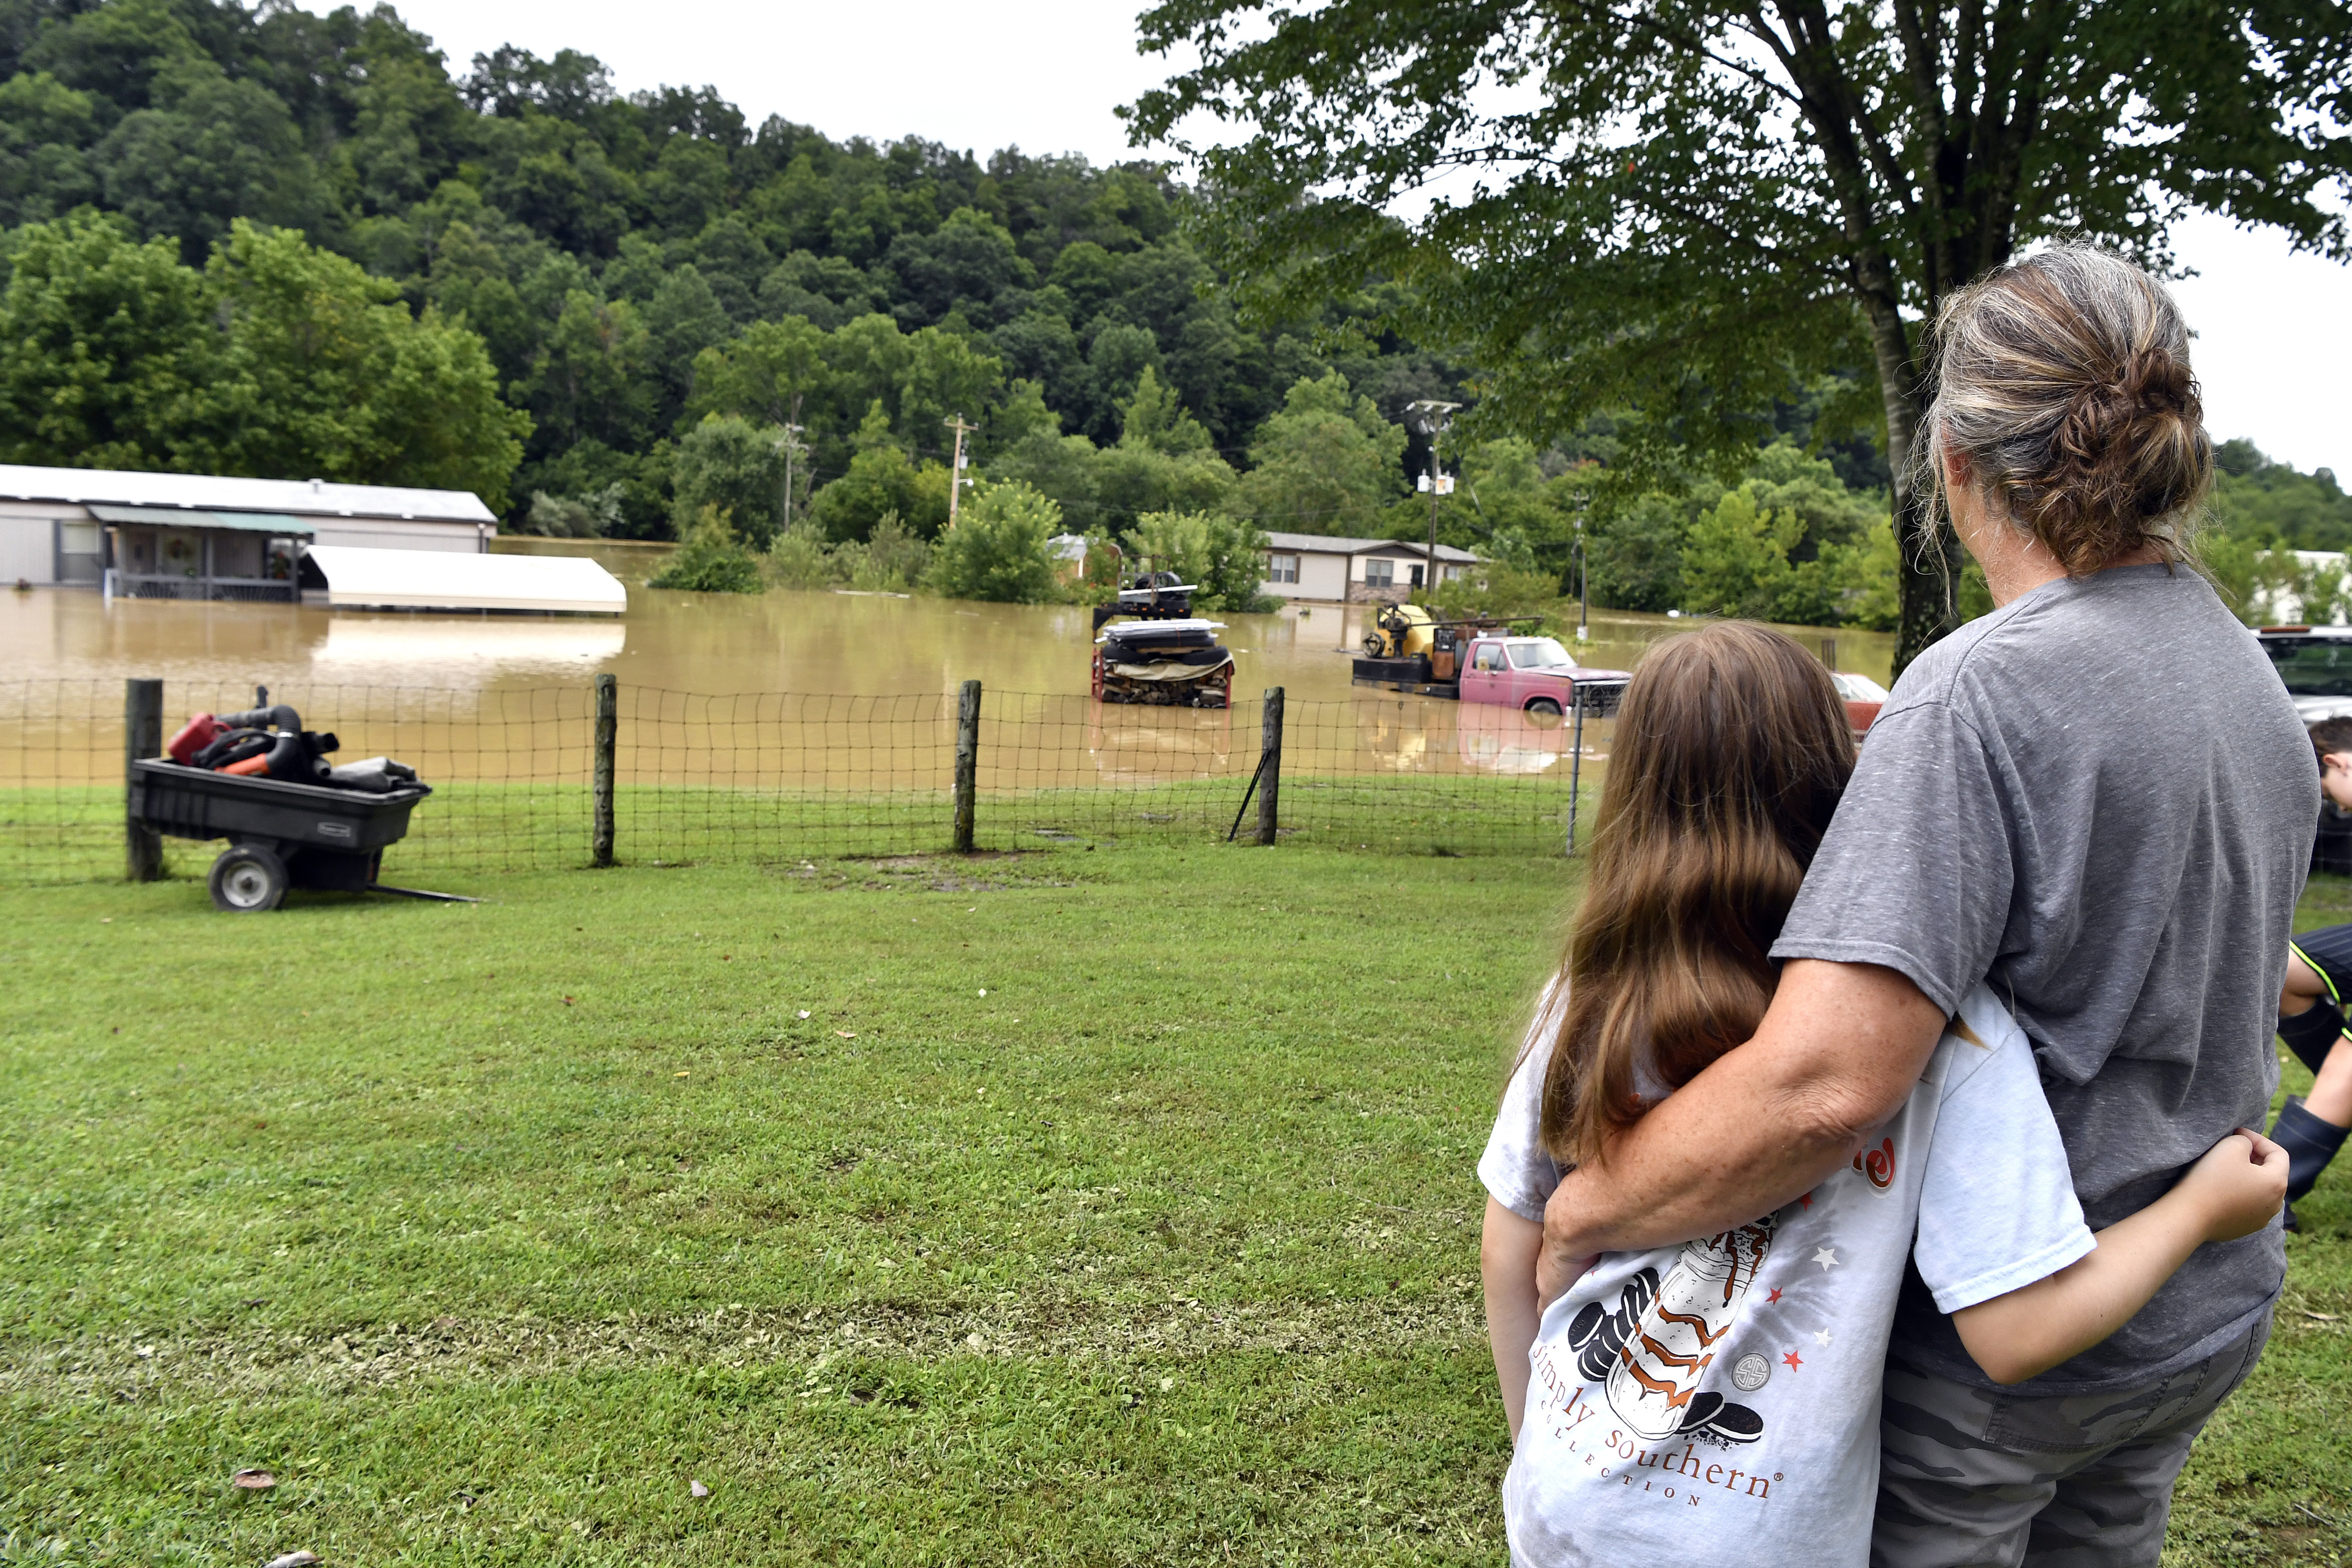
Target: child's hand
pixel 1574 1270
pixel 2239 1183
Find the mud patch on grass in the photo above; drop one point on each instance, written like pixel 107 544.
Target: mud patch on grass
pixel 243 1363
pixel 984 871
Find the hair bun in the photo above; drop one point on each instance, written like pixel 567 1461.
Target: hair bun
pixel 2065 381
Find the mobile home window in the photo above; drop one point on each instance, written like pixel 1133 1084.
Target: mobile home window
pixel 1380 572
pixel 1282 568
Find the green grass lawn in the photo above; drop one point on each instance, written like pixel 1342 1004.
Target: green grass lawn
pixel 489 1229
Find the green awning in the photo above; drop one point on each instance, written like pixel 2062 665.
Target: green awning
pixel 192 517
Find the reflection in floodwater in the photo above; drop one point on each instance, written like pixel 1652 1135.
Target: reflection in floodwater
pixel 1492 738
pixel 1418 735
pixel 457 650
pixel 1163 745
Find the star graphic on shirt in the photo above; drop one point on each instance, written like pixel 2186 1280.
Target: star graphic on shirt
pixel 1774 1297
pixel 1807 1200
pixel 1794 1360
pixel 1826 1256
pixel 1823 1336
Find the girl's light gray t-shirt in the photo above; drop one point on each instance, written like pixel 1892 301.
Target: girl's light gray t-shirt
pixel 1727 1390
pixel 2098 800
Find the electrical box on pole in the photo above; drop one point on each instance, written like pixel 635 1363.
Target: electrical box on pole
pixel 1432 418
pixel 956 481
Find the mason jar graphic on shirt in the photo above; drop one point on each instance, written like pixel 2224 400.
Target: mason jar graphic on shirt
pixel 1657 1346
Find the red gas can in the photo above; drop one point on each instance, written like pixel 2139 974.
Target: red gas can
pixel 193 737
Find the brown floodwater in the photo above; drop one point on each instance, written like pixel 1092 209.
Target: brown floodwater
pixel 431 683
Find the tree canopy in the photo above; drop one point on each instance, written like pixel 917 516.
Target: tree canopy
pixel 631 264
pixel 272 241
pixel 278 358
pixel 1681 212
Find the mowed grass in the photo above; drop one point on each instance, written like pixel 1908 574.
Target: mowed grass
pixel 489 1229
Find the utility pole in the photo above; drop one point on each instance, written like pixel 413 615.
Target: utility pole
pixel 1583 595
pixel 1431 419
pixel 955 475
pixel 793 448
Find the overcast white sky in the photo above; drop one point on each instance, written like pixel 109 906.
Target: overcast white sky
pixel 2275 329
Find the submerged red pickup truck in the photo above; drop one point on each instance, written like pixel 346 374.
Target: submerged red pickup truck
pixel 1476 663
pixel 1534 674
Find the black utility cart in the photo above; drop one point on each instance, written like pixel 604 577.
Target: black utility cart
pixel 280 835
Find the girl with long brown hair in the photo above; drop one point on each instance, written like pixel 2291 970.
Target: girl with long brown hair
pixel 1727 1389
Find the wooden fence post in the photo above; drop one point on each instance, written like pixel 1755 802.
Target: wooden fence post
pixel 1269 784
pixel 967 763
pixel 142 737
pixel 608 732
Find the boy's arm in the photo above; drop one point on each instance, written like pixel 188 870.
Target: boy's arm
pixel 1507 1258
pixel 2232 1192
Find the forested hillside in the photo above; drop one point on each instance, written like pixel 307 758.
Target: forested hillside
pixel 278 243
pixel 600 244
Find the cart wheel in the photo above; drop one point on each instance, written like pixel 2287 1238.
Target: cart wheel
pixel 246 879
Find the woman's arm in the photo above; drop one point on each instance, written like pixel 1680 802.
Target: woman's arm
pixel 1838 1050
pixel 2233 1190
pixel 1507 1258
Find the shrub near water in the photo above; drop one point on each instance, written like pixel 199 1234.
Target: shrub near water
pixel 997 549
pixel 711 561
pixel 1224 555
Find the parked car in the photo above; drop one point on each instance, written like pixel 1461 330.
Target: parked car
pixel 1863 698
pixel 2315 664
pixel 1534 674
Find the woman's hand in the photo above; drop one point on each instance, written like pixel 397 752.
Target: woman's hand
pixel 2238 1185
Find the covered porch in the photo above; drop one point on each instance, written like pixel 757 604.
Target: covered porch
pixel 184 553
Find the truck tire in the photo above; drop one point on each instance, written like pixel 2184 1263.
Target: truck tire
pixel 247 879
pixel 1544 708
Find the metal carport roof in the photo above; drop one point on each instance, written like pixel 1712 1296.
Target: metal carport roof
pixel 448 579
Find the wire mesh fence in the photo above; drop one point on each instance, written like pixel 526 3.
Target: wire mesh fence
pixel 773 776
pixel 61 766
pixel 1399 774
pixel 770 775
pixel 509 770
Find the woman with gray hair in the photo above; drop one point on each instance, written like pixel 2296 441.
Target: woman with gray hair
pixel 2098 800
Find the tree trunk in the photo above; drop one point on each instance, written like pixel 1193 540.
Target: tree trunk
pixel 1928 587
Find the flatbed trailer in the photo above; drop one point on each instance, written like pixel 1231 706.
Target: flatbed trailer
pixel 1412 676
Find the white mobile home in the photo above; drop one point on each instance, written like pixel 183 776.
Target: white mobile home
pixel 1327 570
pixel 211 536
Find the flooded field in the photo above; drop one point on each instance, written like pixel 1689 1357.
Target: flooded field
pixel 824 698
pixel 828 644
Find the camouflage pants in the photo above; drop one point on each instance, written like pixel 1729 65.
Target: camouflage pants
pixel 1972 1477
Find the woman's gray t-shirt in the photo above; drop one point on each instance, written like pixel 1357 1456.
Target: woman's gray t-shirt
pixel 2097 799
